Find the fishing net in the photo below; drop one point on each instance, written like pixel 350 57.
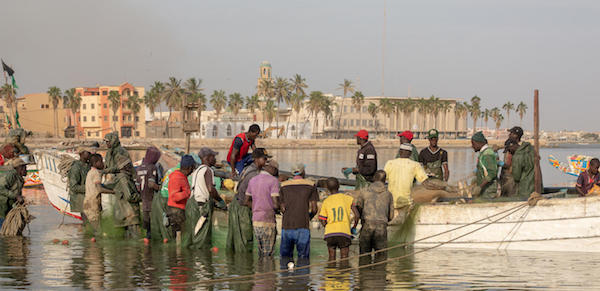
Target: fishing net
pixel 197 233
pixel 16 220
pixel 64 165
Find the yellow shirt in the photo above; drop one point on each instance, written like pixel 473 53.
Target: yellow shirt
pixel 336 211
pixel 400 175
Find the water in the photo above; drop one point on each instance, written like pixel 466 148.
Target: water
pixel 35 262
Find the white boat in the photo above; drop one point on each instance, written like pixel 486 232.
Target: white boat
pixel 558 224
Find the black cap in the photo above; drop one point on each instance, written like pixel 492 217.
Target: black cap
pixel 259 153
pixel 517 130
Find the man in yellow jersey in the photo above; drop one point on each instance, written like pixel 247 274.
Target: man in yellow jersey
pixel 335 216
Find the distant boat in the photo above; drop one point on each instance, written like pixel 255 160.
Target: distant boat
pixel 576 164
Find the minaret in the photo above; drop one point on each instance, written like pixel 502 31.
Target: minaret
pixel 265 74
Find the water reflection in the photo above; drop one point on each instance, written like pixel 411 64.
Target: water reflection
pixel 14 255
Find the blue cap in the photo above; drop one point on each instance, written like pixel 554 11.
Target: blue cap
pixel 187 161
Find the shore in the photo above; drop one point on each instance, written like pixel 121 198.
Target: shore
pixel 39 143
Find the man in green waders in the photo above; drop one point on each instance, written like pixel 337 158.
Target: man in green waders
pixel 487 168
pixel 127 204
pixel 11 185
pixel 240 234
pixel 434 159
pixel 522 163
pixel 76 178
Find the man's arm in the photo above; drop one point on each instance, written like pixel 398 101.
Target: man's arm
pixel 275 195
pixel 323 214
pixel 390 206
pixel 489 162
pixel 235 151
pixel 212 191
pixel 75 180
pixel 579 185
pixel 248 200
pixel 445 165
pixel 314 197
pixel 356 215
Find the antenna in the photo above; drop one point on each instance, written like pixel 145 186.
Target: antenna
pixel 383 54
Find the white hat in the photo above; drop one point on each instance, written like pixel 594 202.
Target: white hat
pixel 406 147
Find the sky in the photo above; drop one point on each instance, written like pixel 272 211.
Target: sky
pixel 498 50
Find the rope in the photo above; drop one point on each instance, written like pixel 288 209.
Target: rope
pixel 251 276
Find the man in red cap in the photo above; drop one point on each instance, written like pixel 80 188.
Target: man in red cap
pixel 406 138
pixel 366 159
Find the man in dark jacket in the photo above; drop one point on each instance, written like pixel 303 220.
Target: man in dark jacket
pixel 147 183
pixel 522 163
pixel 11 185
pixel 76 177
pixel 366 158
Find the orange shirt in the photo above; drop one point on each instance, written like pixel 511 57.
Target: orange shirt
pixel 179 190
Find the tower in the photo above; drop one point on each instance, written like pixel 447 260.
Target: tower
pixel 264 74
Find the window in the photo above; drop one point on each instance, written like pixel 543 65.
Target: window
pixel 345 122
pixel 92 106
pixel 104 105
pixel 136 93
pixel 93 118
pixel 229 130
pixel 115 118
pixel 79 118
pixel 137 133
pixel 83 106
pixel 84 118
pixel 89 133
pixel 105 118
pixel 97 134
pixel 345 108
pixel 351 122
pixel 370 122
pixel 364 109
pixel 203 130
pixel 214 131
pixel 104 93
pixel 364 123
pixel 137 118
pixel 128 117
pixel 42 106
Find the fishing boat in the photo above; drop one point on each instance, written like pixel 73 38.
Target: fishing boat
pixel 575 165
pixel 33 177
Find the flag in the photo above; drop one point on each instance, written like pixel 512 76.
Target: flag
pixel 17 119
pixel 7 69
pixel 14 84
pixel 8 124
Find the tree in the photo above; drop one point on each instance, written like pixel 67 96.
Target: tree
pixel 346 87
pixel 386 106
pixel 297 102
pixel 236 103
pixel 173 97
pixel 54 96
pixel 408 107
pixel 73 102
pixel 297 85
pixel 358 99
pixel 200 99
pixel 499 119
pixel 133 102
pixel 460 111
pixel 443 107
pixel 314 106
pixel 114 98
pixel 435 108
pixel 154 96
pixel 267 91
pixel 253 104
pixel 373 109
pixel 521 109
pixel 270 111
pixel 423 106
pixel 485 114
pixel 282 91
pixel 508 107
pixel 475 111
pixel 218 100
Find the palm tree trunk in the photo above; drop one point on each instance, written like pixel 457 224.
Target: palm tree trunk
pixel 297 137
pixel 55 123
pixel 277 119
pixel 167 126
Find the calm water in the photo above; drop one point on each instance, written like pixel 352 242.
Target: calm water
pixel 34 262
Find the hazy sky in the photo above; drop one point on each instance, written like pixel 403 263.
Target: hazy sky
pixel 499 50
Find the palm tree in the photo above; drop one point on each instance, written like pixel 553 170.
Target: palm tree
pixel 218 100
pixel 386 106
pixel 267 91
pixel 314 106
pixel 423 106
pixel 173 97
pixel 495 114
pixel 200 99
pixel 54 96
pixel 8 94
pixel 373 109
pixel 270 111
pixel 444 107
pixel 297 85
pixel 408 107
pixel 253 104
pixel 508 107
pixel 154 97
pixel 282 91
pixel 297 102
pixel 236 103
pixel 73 102
pixel 434 108
pixel 346 87
pixel 460 111
pixel 358 99
pixel 475 111
pixel 499 119
pixel 326 107
pixel 133 102
pixel 485 114
pixel 521 109
pixel 114 98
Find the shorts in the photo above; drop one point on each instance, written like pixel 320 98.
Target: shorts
pixel 339 242
pixel 176 218
pixel 373 236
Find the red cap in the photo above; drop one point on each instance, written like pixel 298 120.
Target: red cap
pixel 408 134
pixel 362 134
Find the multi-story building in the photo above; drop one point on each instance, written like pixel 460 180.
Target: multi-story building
pixel 37 114
pixel 96 117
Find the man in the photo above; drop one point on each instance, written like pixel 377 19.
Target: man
pixel 179 193
pixel 11 185
pixel 238 156
pixel 434 159
pixel 198 211
pixel 114 151
pixel 366 159
pixel 401 174
pixel 487 168
pixel 406 137
pixel 92 203
pixel 127 205
pixel 508 187
pixel 377 209
pixel 588 181
pixel 335 217
pixel 7 152
pixel 262 196
pixel 522 163
pixel 148 184
pixel 76 179
pixel 299 198
pixel 240 232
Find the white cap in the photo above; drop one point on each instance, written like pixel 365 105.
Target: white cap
pixel 406 147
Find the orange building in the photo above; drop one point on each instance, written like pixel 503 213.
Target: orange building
pixel 96 117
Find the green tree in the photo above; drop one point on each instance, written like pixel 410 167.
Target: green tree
pixel 133 102
pixel 408 107
pixel 173 98
pixel 236 103
pixel 267 92
pixel 423 106
pixel 373 109
pixel 297 102
pixel 218 100
pixel 54 96
pixel 73 102
pixel 154 96
pixel 253 104
pixel 297 85
pixel 508 107
pixel 521 109
pixel 282 92
pixel 444 107
pixel 270 111
pixel 499 119
pixel 114 98
pixel 386 107
pixel 314 106
pixel 346 87
pixel 475 110
pixel 358 99
pixel 435 108
pixel 485 114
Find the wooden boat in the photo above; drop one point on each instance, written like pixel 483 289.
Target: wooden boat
pixel 33 177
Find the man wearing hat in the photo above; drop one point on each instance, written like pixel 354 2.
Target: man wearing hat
pixel 11 185
pixel 406 137
pixel 401 173
pixel 179 193
pixel 76 179
pixel 262 195
pixel 366 159
pixel 240 235
pixel 198 211
pixel 522 163
pixel 487 167
pixel 434 158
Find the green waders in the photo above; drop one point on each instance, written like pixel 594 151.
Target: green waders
pixel 240 234
pixel 193 212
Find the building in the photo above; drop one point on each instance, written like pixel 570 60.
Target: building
pixel 264 75
pixel 37 115
pixel 96 117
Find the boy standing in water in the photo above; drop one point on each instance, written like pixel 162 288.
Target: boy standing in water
pixel 92 203
pixel 335 216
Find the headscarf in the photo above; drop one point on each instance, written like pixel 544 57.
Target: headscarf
pixel 479 137
pixel 8 151
pixel 152 156
pixel 113 138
